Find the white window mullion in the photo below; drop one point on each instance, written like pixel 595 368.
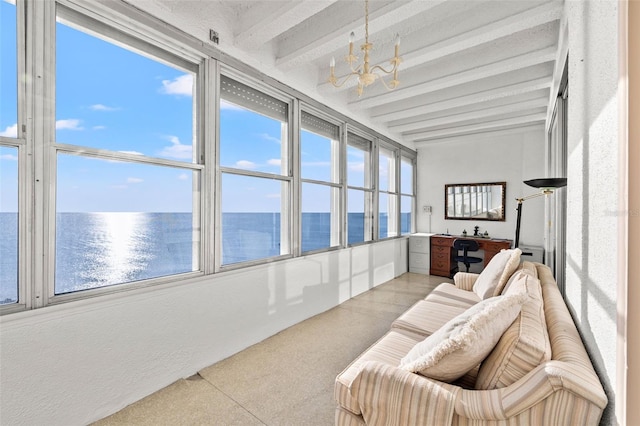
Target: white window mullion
pixel 215 172
pixel 204 141
pixel 40 133
pixel 290 229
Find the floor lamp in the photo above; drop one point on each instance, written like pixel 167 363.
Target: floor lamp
pixel 547 185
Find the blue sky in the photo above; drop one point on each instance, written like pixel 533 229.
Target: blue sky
pixel 108 97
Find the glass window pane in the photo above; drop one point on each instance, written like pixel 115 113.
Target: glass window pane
pixel 386 170
pixel 253 210
pixel 320 217
pixel 8 225
pixel 8 70
pixel 359 216
pixel 111 98
pixel 358 162
pixel 406 176
pixel 319 157
pixel 253 137
pixel 405 214
pixel 120 222
pixel 387 215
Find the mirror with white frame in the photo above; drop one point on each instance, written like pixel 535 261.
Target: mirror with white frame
pixel 475 201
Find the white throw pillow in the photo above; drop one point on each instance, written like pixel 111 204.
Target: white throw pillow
pixel 495 275
pixel 463 342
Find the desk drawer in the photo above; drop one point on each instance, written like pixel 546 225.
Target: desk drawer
pixel 494 246
pixel 440 241
pixel 440 249
pixel 418 261
pixel 418 244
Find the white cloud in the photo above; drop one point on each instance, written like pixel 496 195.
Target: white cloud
pixel 245 164
pixel 131 152
pixel 134 180
pixel 274 162
pixel 357 167
pixel 69 124
pixel 10 131
pixel 183 176
pixel 177 150
pixel 99 127
pixel 268 137
pixel 9 157
pixel 101 107
pixel 182 86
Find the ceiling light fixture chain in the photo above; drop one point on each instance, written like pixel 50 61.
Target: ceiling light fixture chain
pixel 366 73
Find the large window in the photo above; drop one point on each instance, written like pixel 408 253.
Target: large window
pixel 8 70
pixel 8 225
pixel 387 194
pixel 320 173
pixel 129 157
pixel 407 197
pixel 9 148
pixel 126 176
pixel 255 174
pixel 360 189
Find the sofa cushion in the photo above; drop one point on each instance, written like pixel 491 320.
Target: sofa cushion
pixel 524 345
pixel 389 349
pixel 425 317
pixel 526 267
pixel 464 341
pixel 495 275
pixel 449 294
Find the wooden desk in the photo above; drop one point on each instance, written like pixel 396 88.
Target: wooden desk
pixel 442 252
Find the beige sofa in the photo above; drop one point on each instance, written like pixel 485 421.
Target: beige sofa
pixel 535 375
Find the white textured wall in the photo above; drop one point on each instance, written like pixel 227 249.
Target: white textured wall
pixel 75 363
pixel 511 156
pixel 592 191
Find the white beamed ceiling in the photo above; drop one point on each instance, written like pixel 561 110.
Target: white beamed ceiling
pixel 468 65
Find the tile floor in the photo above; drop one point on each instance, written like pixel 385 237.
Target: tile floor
pixel 288 378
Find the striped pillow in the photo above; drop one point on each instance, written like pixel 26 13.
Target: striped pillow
pixel 524 345
pixel 464 341
pixel 495 275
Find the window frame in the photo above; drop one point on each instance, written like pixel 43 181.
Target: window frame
pixel 24 168
pixel 392 192
pixel 369 189
pixel 411 159
pixel 103 27
pixel 336 211
pixel 287 207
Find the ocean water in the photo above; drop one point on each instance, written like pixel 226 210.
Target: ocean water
pixel 103 249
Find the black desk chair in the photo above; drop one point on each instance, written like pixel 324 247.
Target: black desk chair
pixel 466 246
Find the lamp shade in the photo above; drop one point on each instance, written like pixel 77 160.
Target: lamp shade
pixel 547 182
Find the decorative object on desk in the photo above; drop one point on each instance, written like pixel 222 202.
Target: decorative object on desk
pixel 466 246
pixel 366 73
pixel 475 201
pixel 547 186
pixel 486 234
pixel 464 233
pixel 475 231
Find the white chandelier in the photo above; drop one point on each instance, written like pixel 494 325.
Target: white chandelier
pixel 365 72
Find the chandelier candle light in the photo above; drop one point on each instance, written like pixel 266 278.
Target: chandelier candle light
pixel 365 72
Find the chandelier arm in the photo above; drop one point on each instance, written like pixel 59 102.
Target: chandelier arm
pixel 384 83
pixel 335 82
pixel 381 68
pixel 355 71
